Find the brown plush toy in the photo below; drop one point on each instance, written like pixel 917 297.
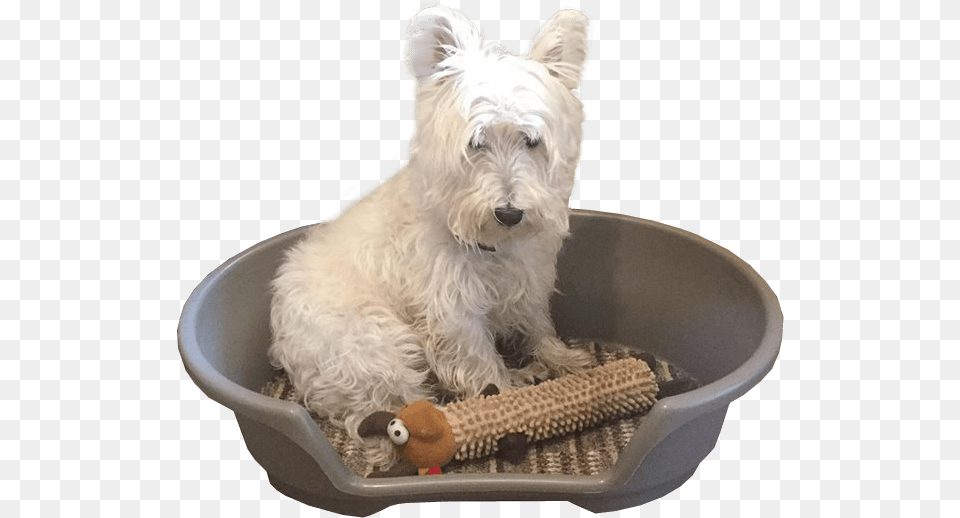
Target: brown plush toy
pixel 424 435
pixel 430 436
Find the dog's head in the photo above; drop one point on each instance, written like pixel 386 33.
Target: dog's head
pixel 498 136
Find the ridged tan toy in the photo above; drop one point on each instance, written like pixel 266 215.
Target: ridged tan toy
pixel 430 436
pixel 552 408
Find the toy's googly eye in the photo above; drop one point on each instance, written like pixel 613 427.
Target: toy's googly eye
pixel 397 432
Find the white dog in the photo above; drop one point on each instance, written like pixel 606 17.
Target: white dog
pixel 409 291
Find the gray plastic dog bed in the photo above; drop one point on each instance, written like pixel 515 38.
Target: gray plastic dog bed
pixel 624 280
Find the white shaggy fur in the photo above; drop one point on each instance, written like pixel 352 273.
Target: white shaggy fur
pixel 420 277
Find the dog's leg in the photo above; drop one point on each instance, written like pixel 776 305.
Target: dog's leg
pixel 528 337
pixel 550 357
pixel 346 365
pixel 464 358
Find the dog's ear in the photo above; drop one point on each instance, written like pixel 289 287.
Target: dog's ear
pixel 437 33
pixel 562 46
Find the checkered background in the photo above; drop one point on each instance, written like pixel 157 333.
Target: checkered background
pixel 142 144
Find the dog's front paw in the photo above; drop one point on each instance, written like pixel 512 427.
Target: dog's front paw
pixel 532 374
pixel 559 358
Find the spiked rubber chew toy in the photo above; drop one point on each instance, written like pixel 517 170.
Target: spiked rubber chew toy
pixel 429 436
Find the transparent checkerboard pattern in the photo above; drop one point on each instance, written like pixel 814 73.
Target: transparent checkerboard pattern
pixel 141 144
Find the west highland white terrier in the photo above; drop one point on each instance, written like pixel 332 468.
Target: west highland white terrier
pixel 409 293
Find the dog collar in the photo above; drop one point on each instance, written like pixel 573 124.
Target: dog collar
pixel 481 246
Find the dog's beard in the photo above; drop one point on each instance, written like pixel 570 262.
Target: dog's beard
pixel 472 223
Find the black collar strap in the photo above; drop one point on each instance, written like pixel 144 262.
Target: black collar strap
pixel 481 246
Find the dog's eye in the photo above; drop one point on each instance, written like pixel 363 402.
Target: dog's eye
pixel 531 142
pixel 477 146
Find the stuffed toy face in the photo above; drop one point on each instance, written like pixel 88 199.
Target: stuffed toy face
pixel 422 433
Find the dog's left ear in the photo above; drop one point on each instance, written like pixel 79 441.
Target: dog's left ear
pixel 562 46
pixel 437 33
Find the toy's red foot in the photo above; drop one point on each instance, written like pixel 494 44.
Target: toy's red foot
pixel 435 470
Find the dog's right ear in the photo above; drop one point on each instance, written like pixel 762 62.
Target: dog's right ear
pixel 375 424
pixel 437 33
pixel 562 46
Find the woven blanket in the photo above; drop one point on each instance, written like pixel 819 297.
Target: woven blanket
pixel 588 452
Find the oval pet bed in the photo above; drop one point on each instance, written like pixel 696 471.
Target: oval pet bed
pixel 681 299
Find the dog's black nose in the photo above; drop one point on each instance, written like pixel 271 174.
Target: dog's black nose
pixel 508 216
